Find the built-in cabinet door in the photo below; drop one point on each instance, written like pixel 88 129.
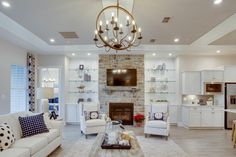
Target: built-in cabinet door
pixel 212 76
pixel 218 118
pixel 207 117
pixel 72 113
pixel 185 116
pixel 194 117
pixel 173 109
pixel 191 82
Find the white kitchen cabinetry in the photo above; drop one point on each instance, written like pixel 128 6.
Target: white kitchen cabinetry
pixel 229 74
pixel 212 76
pixel 72 113
pixel 202 117
pixel 191 82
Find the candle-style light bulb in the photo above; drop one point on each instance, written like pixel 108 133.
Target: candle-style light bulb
pixel 95 37
pixel 129 38
pixel 105 38
pixel 127 23
pixel 140 36
pixel 121 31
pixel 133 22
pixel 116 19
pixel 100 27
pixel 134 27
pixel 107 23
pixel 139 30
pixel 112 18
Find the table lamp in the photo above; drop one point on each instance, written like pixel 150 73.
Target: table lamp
pixel 43 94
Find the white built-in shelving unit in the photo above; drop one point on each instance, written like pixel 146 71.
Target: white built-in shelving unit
pixel 76 79
pixel 160 84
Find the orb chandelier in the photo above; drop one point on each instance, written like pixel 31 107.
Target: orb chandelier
pixel 116 29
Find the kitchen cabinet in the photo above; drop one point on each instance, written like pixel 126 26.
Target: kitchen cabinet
pixel 72 113
pixel 191 83
pixel 202 116
pixel 229 74
pixel 212 76
pixel 194 117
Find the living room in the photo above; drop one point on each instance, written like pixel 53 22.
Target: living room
pixel 155 78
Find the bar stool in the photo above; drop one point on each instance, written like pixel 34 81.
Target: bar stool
pixel 234 133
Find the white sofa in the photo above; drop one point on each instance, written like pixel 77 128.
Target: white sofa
pixel 40 145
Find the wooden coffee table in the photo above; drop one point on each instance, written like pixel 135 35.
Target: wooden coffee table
pixel 97 151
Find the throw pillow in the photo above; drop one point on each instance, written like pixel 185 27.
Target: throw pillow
pixel 6 136
pixel 33 125
pixel 91 115
pixel 94 115
pixel 158 116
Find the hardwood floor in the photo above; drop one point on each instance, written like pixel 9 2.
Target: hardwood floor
pixel 196 143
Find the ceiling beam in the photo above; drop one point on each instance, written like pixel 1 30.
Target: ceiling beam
pixel 219 31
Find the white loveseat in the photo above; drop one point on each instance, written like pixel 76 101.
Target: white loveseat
pixel 40 145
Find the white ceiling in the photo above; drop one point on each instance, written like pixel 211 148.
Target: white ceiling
pixel 31 23
pixel 228 39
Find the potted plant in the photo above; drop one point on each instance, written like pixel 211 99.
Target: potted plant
pixel 139 118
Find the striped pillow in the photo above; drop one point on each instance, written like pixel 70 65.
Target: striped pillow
pixel 33 125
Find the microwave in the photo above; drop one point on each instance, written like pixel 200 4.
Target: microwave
pixel 213 88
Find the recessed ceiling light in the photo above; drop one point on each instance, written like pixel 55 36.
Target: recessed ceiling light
pixel 6 4
pixel 52 40
pixel 218 51
pixel 89 54
pixel 73 54
pixel 170 54
pixel 217 1
pixel 176 40
pixel 154 54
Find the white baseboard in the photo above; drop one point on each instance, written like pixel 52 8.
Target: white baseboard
pixel 180 124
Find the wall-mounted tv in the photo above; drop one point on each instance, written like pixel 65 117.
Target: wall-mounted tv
pixel 121 77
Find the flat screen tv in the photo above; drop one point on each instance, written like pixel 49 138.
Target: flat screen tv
pixel 121 77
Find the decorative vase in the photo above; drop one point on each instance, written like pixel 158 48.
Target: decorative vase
pixel 139 124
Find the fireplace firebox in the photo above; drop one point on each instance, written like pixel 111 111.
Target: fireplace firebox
pixel 122 111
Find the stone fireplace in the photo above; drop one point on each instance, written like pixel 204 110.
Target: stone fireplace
pixel 121 94
pixel 122 111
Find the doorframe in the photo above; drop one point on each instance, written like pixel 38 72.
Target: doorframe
pixel 225 106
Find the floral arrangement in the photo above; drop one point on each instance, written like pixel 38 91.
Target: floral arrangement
pixel 139 118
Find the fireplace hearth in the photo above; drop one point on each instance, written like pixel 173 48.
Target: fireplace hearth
pixel 122 111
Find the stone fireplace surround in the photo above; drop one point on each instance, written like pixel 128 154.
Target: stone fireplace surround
pixel 121 95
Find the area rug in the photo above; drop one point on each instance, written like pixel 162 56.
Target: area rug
pixel 152 147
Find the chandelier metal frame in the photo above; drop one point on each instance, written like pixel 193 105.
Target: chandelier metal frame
pixel 119 41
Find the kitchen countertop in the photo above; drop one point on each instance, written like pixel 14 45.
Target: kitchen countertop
pixel 231 110
pixel 197 105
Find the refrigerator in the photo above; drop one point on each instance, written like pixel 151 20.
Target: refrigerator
pixel 230 103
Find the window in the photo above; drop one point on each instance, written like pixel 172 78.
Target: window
pixel 18 88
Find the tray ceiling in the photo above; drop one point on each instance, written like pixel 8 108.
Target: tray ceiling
pixel 190 19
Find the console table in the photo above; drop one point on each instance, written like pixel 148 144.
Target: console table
pixel 97 151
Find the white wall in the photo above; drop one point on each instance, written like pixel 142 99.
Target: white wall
pixel 9 54
pixel 198 63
